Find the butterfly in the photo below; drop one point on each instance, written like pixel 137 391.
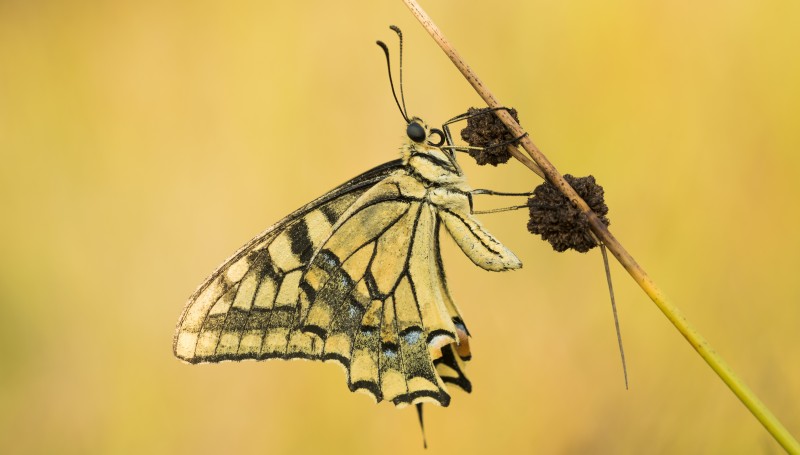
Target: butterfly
pixel 356 277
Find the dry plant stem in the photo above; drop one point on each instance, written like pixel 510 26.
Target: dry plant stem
pixel 750 400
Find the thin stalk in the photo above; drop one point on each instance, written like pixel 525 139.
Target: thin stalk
pixel 673 314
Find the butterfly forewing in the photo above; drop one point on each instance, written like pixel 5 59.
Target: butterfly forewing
pixel 248 304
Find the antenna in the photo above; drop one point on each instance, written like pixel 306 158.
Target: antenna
pixel 400 36
pixel 389 68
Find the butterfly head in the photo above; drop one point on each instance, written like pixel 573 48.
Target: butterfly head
pixel 419 133
pixel 423 151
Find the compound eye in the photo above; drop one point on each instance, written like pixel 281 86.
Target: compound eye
pixel 415 132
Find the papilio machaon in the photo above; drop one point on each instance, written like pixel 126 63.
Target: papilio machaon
pixel 356 277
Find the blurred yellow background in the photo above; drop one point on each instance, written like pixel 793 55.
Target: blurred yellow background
pixel 141 143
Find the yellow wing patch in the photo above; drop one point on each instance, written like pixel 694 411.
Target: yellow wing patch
pixel 245 308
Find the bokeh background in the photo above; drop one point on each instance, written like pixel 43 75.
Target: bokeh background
pixel 143 142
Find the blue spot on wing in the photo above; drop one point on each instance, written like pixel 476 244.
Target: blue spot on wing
pixel 412 335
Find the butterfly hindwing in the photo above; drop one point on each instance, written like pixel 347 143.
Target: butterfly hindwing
pixel 375 300
pixel 244 308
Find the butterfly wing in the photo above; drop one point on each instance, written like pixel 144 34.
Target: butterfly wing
pixel 374 298
pixel 252 297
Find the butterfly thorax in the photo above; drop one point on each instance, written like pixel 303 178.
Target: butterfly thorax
pixel 431 164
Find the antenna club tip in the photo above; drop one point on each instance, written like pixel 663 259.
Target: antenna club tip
pixel 385 48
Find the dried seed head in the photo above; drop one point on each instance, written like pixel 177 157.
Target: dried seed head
pixel 485 130
pixel 554 218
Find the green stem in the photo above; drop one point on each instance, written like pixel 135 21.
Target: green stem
pixel 538 162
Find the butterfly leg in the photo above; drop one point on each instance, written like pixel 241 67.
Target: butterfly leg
pixel 465 116
pixel 467 148
pixel 498 210
pixel 500 193
pixel 496 193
